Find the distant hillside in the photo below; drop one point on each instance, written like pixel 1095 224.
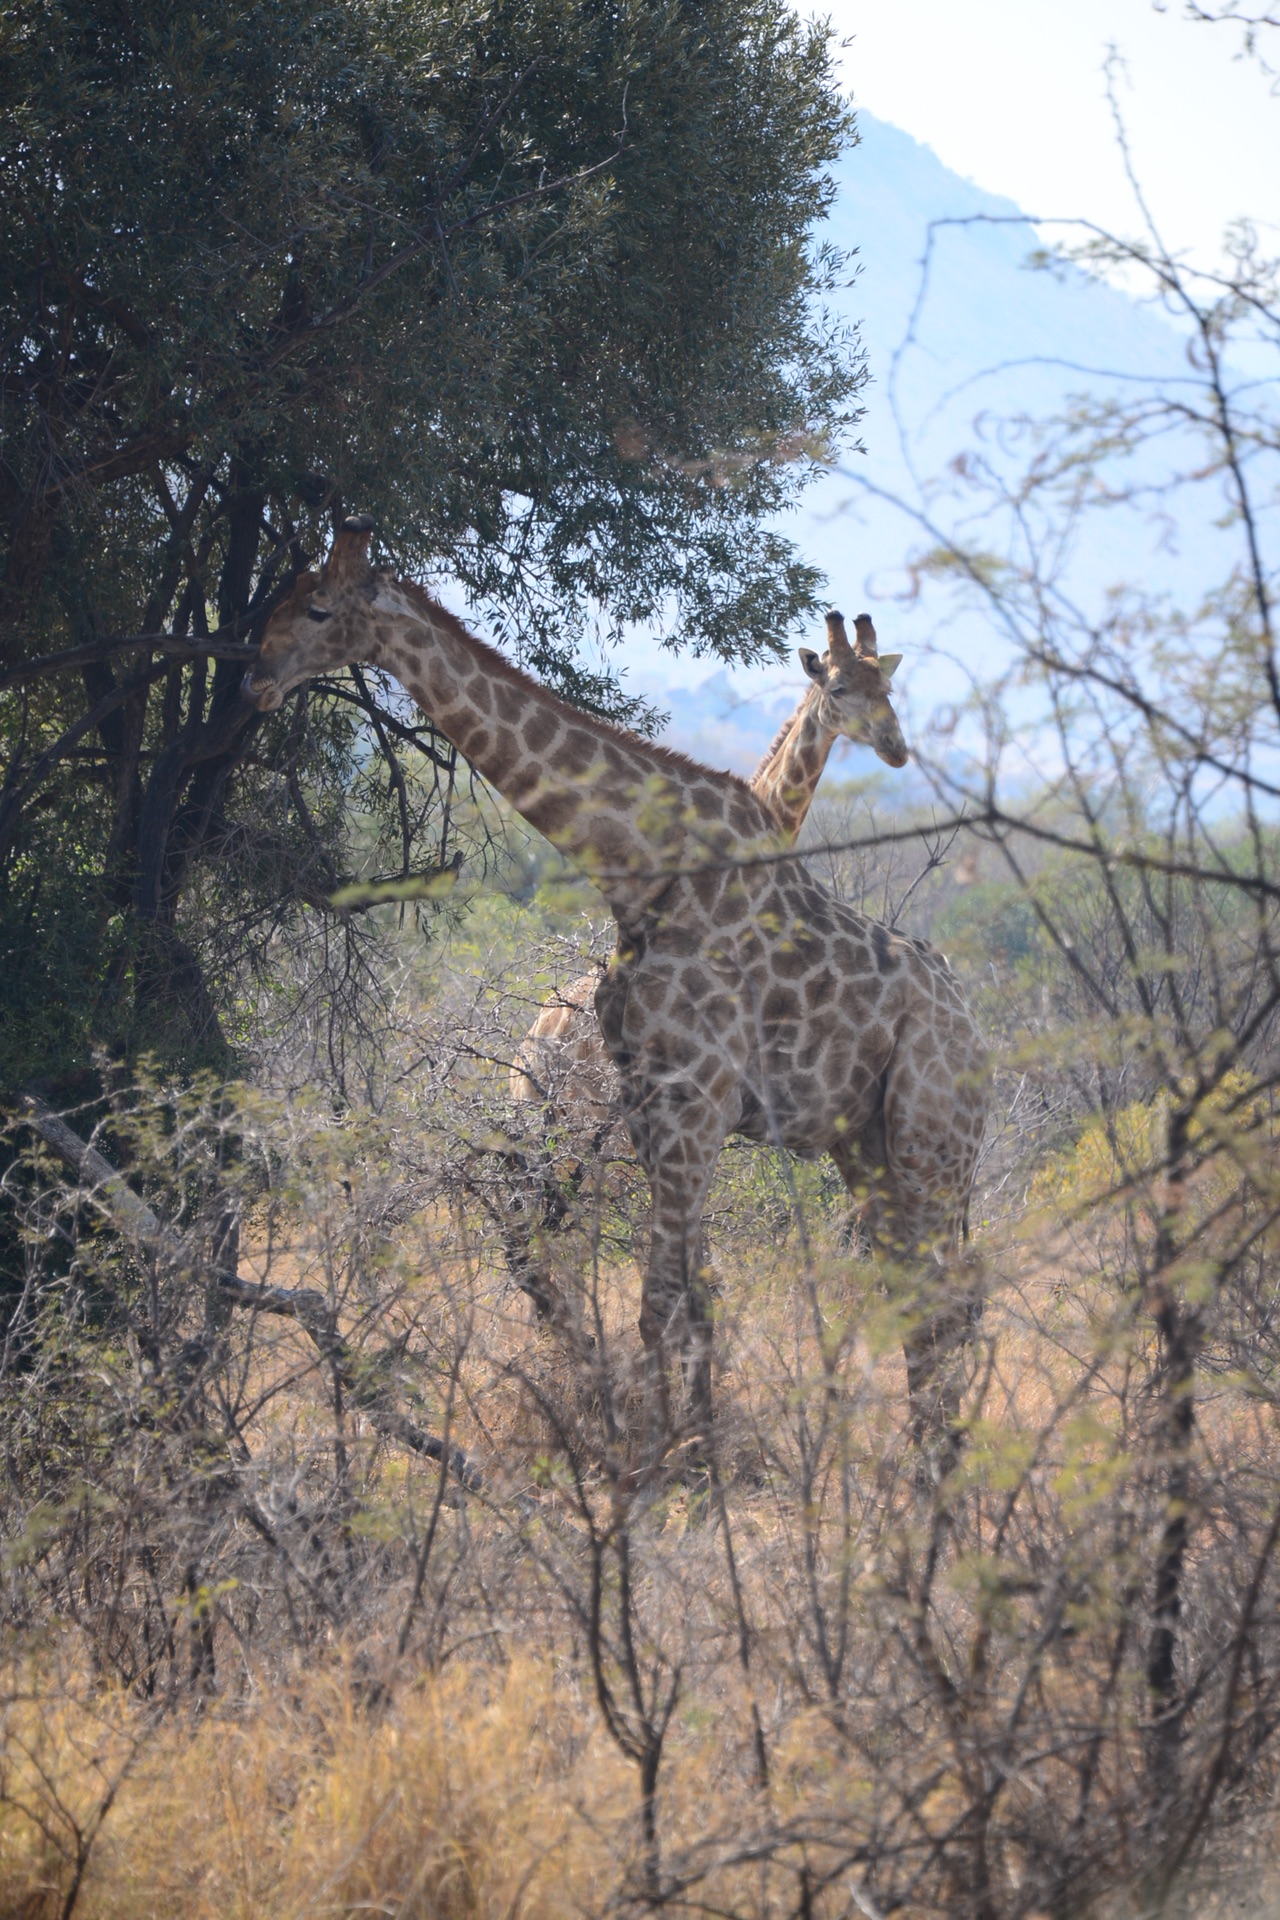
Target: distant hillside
pixel 991 336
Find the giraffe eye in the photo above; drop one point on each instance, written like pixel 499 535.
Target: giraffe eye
pixel 317 613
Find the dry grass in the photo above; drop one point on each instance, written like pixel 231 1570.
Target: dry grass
pixel 426 1704
pixel 480 1793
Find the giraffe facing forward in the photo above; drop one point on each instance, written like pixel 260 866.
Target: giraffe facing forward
pixel 742 996
pixel 562 1064
pixel 848 697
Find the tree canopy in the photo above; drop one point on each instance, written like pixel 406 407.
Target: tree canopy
pixel 535 285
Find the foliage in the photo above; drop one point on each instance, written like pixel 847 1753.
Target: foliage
pixel 533 285
pixel 1119 1148
pixel 1139 1017
pixel 812 1681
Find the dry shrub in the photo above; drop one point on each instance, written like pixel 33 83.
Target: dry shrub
pixel 314 1671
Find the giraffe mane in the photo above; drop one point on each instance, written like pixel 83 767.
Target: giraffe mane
pixel 504 669
pixel 779 741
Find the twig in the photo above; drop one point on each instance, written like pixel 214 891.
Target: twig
pixel 135 1219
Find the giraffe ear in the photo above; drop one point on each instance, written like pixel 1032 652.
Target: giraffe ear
pixel 889 664
pixel 812 664
pixel 349 554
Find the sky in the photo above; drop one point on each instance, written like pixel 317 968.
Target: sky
pixel 1011 94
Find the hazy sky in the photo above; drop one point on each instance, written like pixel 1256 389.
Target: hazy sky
pixel 1011 94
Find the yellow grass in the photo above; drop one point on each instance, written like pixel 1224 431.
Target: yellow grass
pixel 478 1794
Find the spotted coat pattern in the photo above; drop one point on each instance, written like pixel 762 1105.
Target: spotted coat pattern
pixel 562 1062
pixel 741 997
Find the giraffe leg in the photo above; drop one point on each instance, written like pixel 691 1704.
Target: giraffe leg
pixel 922 1160
pixel 859 1160
pixel 675 1317
pixel 680 1064
pixel 679 1141
pixel 947 1308
pixel 935 1351
pixel 940 1323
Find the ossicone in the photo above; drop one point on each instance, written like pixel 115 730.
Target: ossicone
pixel 865 636
pixel 837 638
pixel 349 554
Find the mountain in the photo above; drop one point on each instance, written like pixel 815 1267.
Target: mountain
pixel 990 336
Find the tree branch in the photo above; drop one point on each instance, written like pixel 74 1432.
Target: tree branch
pixel 220 645
pixel 135 1221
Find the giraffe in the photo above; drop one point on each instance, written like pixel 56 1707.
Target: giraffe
pixel 742 996
pixel 847 695
pixel 562 1064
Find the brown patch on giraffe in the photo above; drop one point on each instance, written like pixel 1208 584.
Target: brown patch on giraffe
pixel 743 813
pixel 576 753
pixel 779 1003
pixel 819 989
pixel 511 707
pixel 882 945
pixel 851 959
pixel 789 963
pixel 556 812
pixel 811 1051
pixel 539 730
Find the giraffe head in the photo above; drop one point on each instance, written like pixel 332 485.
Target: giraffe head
pixel 852 688
pixel 326 622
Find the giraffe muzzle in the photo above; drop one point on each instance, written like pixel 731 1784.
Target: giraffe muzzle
pixel 265 695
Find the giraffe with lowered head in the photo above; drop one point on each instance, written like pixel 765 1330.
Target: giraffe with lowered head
pixel 742 997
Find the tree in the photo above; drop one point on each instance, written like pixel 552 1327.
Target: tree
pixel 532 284
pixel 1144 845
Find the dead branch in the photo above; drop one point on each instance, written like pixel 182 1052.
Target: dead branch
pixel 134 1219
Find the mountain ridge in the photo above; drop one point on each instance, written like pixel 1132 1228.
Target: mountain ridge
pixel 990 336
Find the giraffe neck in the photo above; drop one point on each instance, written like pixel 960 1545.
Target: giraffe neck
pixel 787 778
pixel 625 811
